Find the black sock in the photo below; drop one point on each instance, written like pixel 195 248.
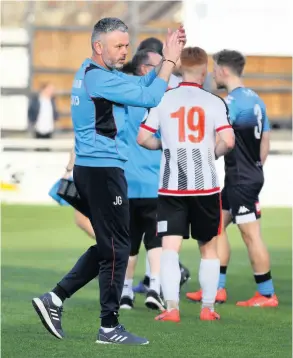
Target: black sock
pixel 223 269
pixel 264 284
pixel 110 321
pixel 146 281
pixel 60 292
pixel 262 278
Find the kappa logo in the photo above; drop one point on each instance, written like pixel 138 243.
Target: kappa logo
pixel 243 210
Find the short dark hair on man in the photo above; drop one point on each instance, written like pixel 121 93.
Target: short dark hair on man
pixel 106 25
pixel 127 68
pixel 140 58
pixel 232 59
pixel 152 43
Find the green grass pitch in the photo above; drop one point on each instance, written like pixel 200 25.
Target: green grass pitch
pixel 39 245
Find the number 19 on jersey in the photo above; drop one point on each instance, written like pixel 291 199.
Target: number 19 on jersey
pixel 193 120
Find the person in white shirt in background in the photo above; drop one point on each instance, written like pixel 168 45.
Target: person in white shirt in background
pixel 42 112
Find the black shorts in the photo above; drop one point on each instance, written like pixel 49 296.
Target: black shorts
pixel 242 201
pixel 202 213
pixel 143 224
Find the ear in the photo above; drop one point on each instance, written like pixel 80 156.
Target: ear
pixel 225 71
pixel 204 71
pixel 143 70
pixel 98 47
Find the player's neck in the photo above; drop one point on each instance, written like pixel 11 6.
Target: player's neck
pixel 234 82
pixel 192 79
pixel 98 60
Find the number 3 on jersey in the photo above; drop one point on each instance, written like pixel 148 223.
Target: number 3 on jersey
pixel 193 120
pixel 258 128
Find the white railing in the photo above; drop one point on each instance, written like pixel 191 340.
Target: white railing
pixel 27 144
pixel 31 144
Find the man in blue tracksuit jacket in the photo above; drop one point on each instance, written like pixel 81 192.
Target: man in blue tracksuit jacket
pixel 100 96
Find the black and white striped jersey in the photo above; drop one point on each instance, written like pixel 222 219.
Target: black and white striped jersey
pixel 188 118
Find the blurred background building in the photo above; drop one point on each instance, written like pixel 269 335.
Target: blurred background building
pixel 46 41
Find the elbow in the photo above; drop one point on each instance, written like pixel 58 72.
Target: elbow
pixel 140 140
pixel 157 100
pixel 152 102
pixel 145 102
pixel 230 142
pixel 267 146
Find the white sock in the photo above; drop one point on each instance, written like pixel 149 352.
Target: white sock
pixel 127 288
pixel 56 300
pixel 209 273
pixel 155 283
pixel 108 330
pixel 147 267
pixel 170 275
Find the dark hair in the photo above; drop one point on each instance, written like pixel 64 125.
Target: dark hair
pixel 106 25
pixel 140 58
pixel 128 68
pixel 152 43
pixel 232 59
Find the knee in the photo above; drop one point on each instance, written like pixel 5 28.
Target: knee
pixel 251 237
pixel 222 239
pixel 247 238
pixel 114 251
pixel 208 249
pixel 123 252
pixel 172 243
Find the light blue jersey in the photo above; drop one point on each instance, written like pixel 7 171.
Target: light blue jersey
pixel 143 166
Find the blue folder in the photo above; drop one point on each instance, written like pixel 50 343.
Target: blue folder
pixel 53 193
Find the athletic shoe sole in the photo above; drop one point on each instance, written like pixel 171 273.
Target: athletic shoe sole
pixel 126 344
pixel 126 307
pixel 216 302
pixel 154 304
pixel 43 314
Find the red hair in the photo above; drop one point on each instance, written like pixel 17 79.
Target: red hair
pixel 193 56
